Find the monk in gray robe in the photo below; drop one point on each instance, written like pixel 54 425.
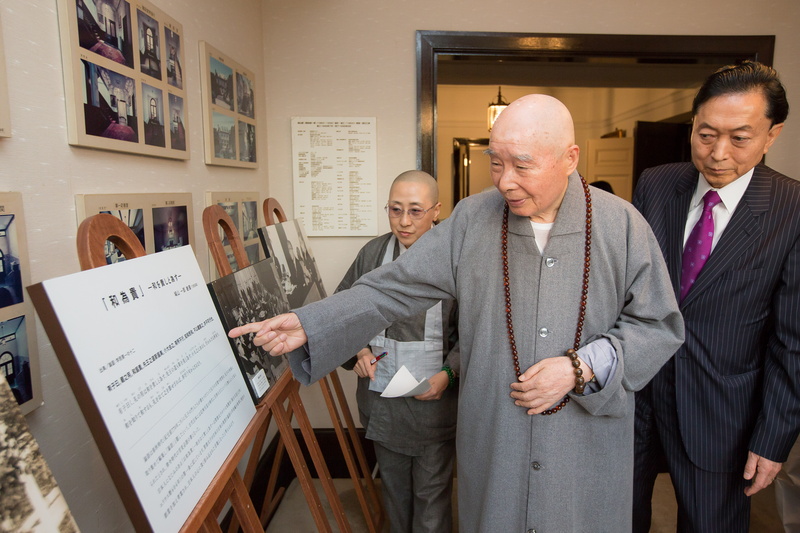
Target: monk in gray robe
pixel 541 268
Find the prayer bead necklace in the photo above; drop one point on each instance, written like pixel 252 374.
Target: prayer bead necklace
pixel 572 353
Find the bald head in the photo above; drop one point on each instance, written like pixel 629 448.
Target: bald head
pixel 430 187
pixel 536 119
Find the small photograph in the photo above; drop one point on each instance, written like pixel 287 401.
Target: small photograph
pixel 249 295
pixel 221 83
pixel 172 41
pixel 286 243
pixel 153 99
pixel 170 227
pixel 31 498
pixel 252 253
pixel 149 45
pixel 11 291
pixel 247 142
pixel 15 360
pixel 177 131
pixel 109 104
pixel 134 219
pixel 232 210
pixel 105 28
pixel 224 136
pixel 249 221
pixel 244 95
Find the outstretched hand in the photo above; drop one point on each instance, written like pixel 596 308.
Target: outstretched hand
pixel 277 335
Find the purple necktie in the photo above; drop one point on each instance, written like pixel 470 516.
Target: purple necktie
pixel 698 245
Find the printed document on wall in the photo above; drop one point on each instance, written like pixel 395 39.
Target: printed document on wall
pixel 335 175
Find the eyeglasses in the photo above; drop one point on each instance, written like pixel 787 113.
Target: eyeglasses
pixel 414 213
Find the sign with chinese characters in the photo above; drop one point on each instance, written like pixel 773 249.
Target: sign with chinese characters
pixel 335 176
pixel 151 366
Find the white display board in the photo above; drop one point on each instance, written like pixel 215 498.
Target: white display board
pixel 151 366
pixel 335 175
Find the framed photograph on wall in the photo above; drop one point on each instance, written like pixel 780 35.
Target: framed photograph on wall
pixel 123 77
pixel 244 209
pixel 161 221
pixel 5 110
pixel 229 118
pixel 19 356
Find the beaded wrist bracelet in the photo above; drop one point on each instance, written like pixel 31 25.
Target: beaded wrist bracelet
pixel 580 383
pixel 451 376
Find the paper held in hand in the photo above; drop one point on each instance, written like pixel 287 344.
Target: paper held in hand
pixel 403 384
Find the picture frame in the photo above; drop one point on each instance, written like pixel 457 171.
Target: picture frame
pixel 162 221
pixel 19 354
pixel 244 208
pixel 123 77
pixel 229 94
pixel 5 109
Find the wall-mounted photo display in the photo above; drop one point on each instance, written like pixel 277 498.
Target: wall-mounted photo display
pixel 19 356
pixel 123 77
pixel 161 221
pixel 243 208
pixel 5 109
pixel 229 119
pixel 286 243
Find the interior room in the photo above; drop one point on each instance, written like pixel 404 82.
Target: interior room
pixel 352 58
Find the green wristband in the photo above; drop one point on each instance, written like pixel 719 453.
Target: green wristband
pixel 451 376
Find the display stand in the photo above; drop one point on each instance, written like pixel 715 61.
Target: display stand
pixel 227 485
pixel 338 408
pixel 281 401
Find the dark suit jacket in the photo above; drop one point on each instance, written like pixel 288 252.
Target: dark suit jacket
pixel 737 376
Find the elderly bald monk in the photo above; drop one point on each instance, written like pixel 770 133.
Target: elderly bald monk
pixel 566 309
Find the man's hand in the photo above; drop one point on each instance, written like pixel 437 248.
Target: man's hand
pixel 278 335
pixel 439 383
pixel 363 367
pixel 544 384
pixel 764 471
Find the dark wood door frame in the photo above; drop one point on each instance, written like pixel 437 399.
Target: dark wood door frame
pixel 431 44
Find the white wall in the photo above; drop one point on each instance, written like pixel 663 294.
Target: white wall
pixel 313 58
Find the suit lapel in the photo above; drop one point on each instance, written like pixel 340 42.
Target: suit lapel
pixel 676 212
pixel 743 229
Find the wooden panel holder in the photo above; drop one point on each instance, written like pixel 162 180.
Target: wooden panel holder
pixel 347 434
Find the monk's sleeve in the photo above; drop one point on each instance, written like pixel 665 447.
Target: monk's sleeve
pixel 346 321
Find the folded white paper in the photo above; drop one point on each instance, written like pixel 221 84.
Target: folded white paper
pixel 403 384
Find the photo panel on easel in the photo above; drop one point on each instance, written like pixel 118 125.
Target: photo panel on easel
pixel 242 207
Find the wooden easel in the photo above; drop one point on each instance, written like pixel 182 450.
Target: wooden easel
pixel 227 484
pixel 338 408
pixel 282 400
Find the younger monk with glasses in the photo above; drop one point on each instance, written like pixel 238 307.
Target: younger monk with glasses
pixel 414 437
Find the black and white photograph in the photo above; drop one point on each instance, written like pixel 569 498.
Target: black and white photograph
pixel 177 131
pixel 31 498
pixel 224 127
pixel 170 227
pixel 172 41
pixel 249 220
pixel 244 95
pixel 286 243
pixel 105 29
pixel 252 252
pixel 149 45
pixel 11 291
pixel 109 104
pixel 153 99
pixel 134 219
pixel 248 295
pixel 247 142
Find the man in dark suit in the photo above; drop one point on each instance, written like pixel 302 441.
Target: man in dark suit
pixel 723 413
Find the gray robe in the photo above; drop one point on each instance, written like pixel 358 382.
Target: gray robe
pixel 572 471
